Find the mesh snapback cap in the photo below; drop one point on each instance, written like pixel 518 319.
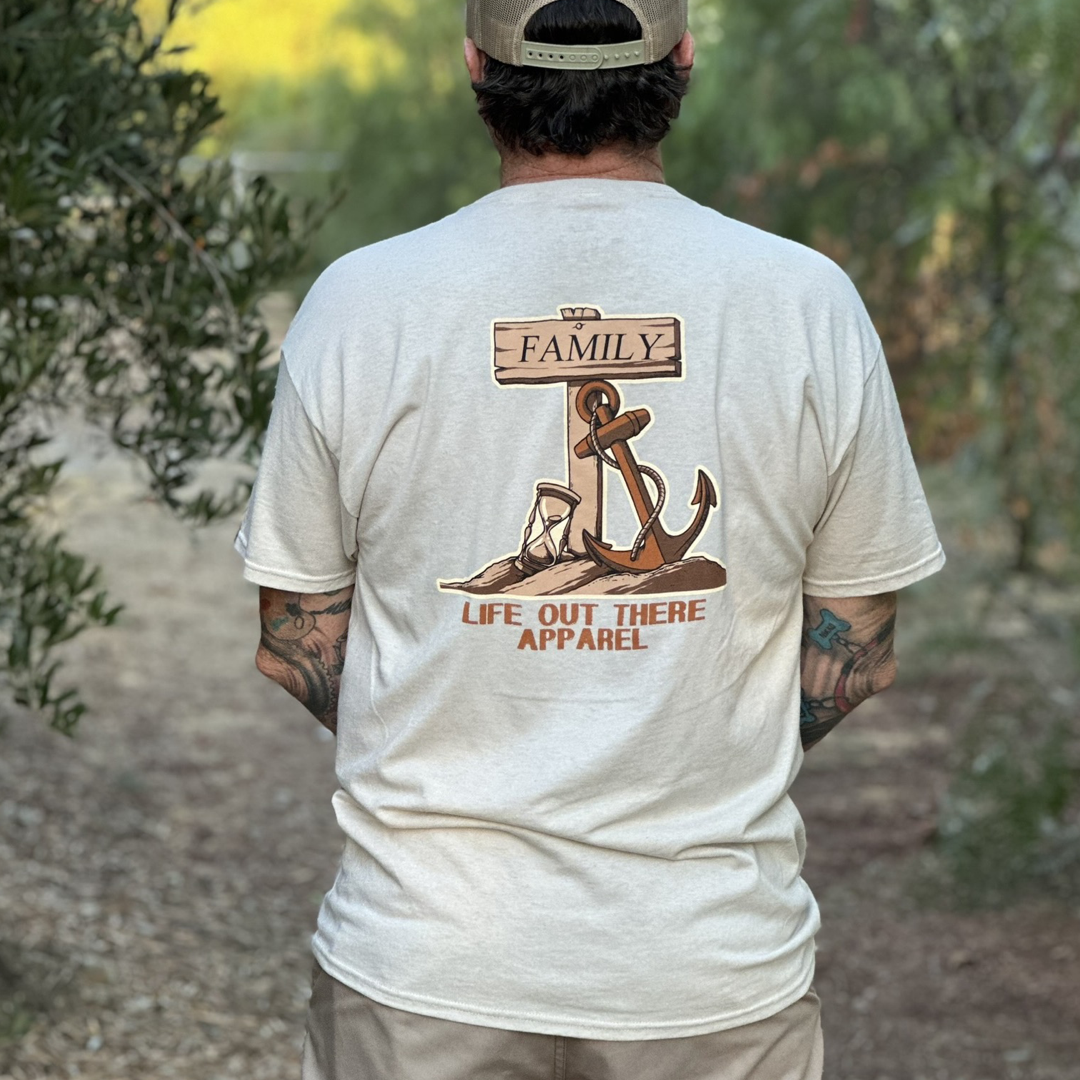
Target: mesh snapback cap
pixel 498 28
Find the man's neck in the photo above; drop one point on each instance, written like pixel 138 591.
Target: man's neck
pixel 607 163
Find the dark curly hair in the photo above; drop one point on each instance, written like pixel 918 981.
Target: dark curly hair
pixel 541 110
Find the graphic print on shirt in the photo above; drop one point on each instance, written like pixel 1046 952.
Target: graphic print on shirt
pixel 563 551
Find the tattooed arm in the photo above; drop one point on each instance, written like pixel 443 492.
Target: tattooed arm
pixel 303 646
pixel 847 655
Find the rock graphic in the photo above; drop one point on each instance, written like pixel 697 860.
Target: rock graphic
pixel 583 577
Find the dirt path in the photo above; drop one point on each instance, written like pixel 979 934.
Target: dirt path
pixel 160 875
pixel 910 992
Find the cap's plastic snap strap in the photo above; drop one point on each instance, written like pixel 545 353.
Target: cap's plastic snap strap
pixel 582 57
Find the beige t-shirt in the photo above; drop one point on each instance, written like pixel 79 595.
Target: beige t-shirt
pixel 567 727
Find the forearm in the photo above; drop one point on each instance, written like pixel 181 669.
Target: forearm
pixel 847 656
pixel 302 646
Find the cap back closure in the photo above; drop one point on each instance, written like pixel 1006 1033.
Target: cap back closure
pixel 581 57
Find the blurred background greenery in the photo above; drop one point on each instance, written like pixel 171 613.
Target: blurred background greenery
pixel 930 147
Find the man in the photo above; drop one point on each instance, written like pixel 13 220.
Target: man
pixel 566 725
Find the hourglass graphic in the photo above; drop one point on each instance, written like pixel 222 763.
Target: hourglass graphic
pixel 548 528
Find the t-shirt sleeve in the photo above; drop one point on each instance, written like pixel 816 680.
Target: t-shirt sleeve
pixel 296 535
pixel 876 534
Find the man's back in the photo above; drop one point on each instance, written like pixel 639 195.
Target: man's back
pixel 564 784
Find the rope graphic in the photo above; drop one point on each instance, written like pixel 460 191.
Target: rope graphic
pixel 657 479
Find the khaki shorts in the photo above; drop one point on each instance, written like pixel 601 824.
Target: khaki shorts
pixel 351 1037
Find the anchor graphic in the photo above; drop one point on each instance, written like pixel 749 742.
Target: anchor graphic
pixel 598 404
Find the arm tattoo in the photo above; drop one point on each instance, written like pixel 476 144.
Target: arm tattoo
pixel 302 646
pixel 846 657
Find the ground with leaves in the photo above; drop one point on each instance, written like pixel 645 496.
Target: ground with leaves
pixel 160 875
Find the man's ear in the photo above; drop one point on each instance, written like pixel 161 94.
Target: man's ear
pixel 474 61
pixel 683 53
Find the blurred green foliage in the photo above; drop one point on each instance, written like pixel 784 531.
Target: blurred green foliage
pixel 412 146
pixel 128 296
pixel 1004 825
pixel 994 659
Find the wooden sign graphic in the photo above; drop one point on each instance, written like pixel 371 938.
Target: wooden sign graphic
pixel 580 346
pixel 585 346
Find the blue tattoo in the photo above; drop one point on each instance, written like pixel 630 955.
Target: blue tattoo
pixel 826 632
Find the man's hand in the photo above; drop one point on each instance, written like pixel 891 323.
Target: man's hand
pixel 847 655
pixel 303 646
